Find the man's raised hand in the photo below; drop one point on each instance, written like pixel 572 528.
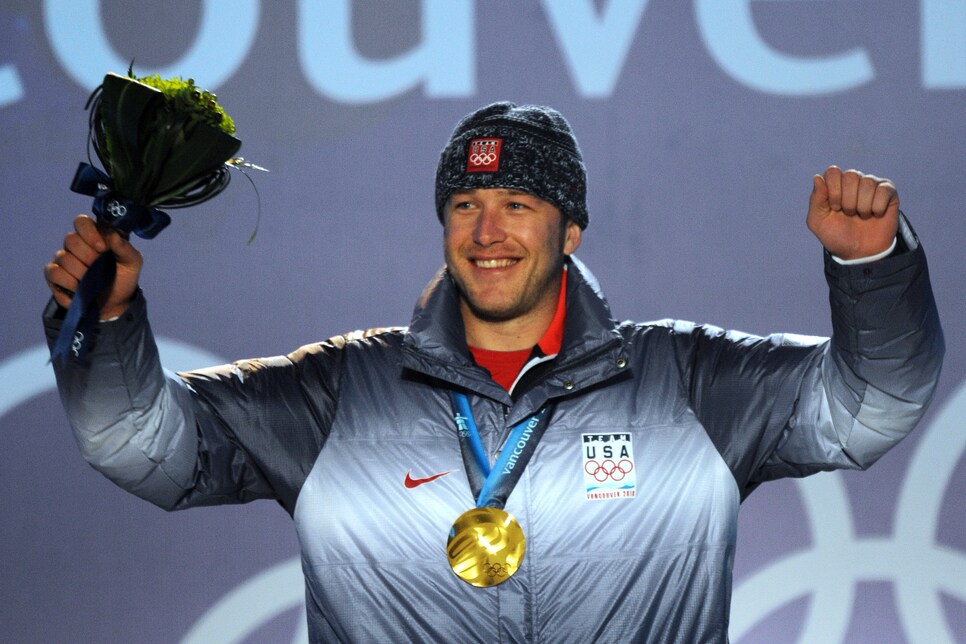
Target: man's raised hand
pixel 81 248
pixel 853 214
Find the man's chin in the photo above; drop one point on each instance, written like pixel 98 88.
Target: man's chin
pixel 492 313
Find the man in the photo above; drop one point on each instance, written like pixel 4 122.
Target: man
pixel 620 451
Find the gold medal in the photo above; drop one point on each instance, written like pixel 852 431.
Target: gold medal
pixel 485 546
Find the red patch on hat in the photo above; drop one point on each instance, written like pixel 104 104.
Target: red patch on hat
pixel 483 155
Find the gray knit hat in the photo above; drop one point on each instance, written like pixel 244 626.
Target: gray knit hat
pixel 526 147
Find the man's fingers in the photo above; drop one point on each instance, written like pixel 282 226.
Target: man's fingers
pixel 69 262
pixel 861 195
pixel 850 192
pixel 89 240
pixel 866 192
pixel 87 229
pixel 61 283
pixel 80 248
pixel 125 252
pixel 56 276
pixel 819 196
pixel 885 195
pixel 833 179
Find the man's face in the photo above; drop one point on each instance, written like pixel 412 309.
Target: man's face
pixel 505 249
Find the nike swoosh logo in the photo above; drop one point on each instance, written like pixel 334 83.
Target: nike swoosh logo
pixel 410 482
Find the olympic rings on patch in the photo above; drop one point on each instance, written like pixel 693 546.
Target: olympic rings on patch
pixel 608 469
pixel 482 158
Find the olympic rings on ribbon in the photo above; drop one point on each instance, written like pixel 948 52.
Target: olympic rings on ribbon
pixel 77 343
pixel 116 209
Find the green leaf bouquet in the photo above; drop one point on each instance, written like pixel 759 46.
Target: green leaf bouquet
pixel 162 144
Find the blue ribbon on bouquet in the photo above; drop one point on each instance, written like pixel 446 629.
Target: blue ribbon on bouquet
pixel 121 214
pixel 110 208
pixel 78 325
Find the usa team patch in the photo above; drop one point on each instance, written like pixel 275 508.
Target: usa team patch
pixel 483 155
pixel 608 466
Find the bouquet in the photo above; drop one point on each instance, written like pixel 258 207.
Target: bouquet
pixel 162 144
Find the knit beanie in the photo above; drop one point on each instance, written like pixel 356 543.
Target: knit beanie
pixel 527 147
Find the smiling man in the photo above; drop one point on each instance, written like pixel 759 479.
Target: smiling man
pixel 535 470
pixel 505 251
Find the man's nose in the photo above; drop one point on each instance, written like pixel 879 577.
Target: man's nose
pixel 490 227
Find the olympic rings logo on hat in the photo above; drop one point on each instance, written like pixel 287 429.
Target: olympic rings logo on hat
pixel 485 158
pixel 483 155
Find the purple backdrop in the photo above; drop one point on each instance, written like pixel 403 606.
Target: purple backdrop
pixel 701 123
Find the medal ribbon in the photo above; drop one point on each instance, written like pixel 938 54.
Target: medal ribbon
pixel 492 485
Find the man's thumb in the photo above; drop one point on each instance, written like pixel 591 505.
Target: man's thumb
pixel 819 196
pixel 125 252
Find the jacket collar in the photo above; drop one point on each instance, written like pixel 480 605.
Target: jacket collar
pixel 435 343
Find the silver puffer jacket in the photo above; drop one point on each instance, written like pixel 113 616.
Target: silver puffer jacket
pixel 631 544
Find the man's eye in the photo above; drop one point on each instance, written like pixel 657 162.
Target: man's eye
pixel 516 205
pixel 462 205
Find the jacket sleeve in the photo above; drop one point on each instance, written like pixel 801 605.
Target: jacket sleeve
pixel 788 405
pixel 227 434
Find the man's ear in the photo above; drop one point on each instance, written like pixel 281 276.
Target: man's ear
pixel 572 235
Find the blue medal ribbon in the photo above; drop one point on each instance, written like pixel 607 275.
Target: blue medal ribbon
pixel 492 485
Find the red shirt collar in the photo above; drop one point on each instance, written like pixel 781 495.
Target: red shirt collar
pixel 552 338
pixel 505 366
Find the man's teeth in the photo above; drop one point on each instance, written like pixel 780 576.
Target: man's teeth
pixel 494 263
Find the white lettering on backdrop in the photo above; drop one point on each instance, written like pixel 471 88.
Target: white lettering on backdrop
pixel 593 43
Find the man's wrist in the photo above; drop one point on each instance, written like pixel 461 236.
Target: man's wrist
pixel 865 260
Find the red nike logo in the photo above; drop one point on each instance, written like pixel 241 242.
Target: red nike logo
pixel 410 482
